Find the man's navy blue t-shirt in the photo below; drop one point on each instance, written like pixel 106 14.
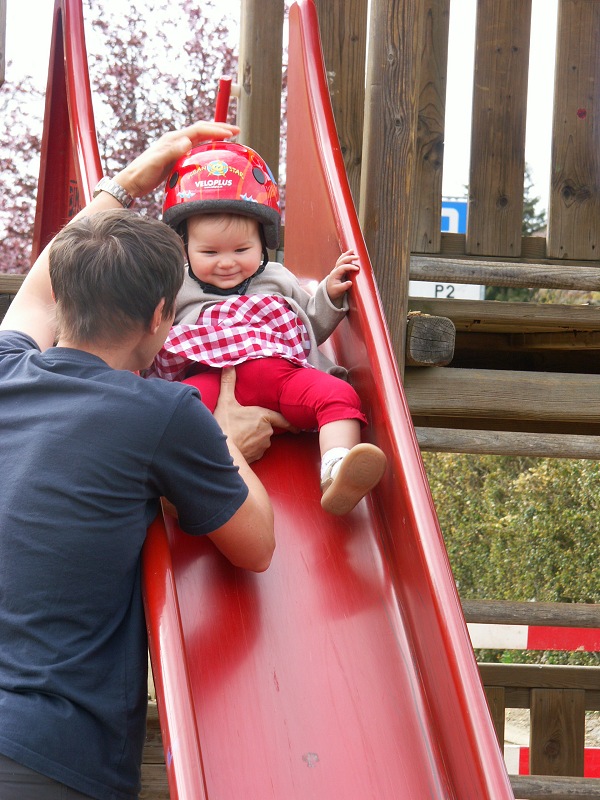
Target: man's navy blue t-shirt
pixel 86 451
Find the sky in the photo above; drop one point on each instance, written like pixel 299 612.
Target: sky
pixel 27 45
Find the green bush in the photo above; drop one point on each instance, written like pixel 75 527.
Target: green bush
pixel 520 529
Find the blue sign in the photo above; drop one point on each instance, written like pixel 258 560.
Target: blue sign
pixel 454 216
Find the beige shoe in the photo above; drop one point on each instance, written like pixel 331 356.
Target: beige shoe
pixel 358 472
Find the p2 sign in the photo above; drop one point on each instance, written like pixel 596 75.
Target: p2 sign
pixel 454 220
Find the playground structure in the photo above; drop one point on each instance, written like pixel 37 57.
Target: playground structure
pixel 351 656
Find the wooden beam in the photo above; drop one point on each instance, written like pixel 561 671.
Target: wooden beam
pixel 260 77
pixel 389 153
pixel 503 424
pixel 557 720
pixel 493 394
pixel 531 787
pixel 541 676
pixel 343 29
pixel 429 341
pixel 505 273
pixel 509 612
pixel 498 316
pixel 495 696
pixel 520 697
pixel 507 443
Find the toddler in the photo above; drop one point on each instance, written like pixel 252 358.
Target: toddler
pixel 237 308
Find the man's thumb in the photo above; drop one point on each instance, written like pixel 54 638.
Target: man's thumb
pixel 228 377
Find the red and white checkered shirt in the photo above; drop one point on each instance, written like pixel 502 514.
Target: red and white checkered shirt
pixel 236 330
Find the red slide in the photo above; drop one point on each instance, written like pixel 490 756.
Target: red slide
pixel 345 670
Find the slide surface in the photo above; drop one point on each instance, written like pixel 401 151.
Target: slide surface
pixel 345 670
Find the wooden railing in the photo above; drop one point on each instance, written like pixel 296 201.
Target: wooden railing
pixel 557 697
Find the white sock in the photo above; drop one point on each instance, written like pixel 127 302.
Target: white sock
pixel 331 461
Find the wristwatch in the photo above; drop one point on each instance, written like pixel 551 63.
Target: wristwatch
pixel 117 191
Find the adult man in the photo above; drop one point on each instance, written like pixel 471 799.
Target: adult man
pixel 88 448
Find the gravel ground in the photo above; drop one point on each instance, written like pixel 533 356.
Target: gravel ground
pixel 517 727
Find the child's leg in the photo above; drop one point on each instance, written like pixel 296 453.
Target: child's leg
pixel 311 399
pixel 208 384
pixel 339 433
pixel 292 390
pixel 349 468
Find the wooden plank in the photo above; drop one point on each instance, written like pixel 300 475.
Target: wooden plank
pixel 502 273
pixel 498 128
pixel 259 76
pixel 541 676
pixel 389 153
pixel 574 213
pixel 498 316
pixel 427 195
pixel 508 443
pixel 528 787
pixel 557 732
pixel 508 612
pixel 496 703
pixel 493 394
pixel 343 29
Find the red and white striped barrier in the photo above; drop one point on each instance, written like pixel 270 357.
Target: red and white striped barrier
pixel 532 637
pixel 516 759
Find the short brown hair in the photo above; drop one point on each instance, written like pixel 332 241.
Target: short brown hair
pixel 109 272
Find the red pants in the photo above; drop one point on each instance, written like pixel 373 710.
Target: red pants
pixel 307 398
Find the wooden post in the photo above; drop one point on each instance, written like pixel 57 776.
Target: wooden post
pixel 259 105
pixel 429 340
pixel 389 154
pixel 343 29
pixel 557 732
pixel 2 41
pixel 496 697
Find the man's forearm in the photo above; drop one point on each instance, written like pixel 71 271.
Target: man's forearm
pixel 253 483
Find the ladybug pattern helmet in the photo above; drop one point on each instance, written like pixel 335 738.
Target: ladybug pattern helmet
pixel 223 178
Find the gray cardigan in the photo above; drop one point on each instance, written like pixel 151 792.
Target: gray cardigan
pixel 318 313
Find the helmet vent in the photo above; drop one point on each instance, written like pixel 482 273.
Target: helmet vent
pixel 259 175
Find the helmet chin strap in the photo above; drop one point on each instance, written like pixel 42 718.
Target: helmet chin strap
pixel 239 289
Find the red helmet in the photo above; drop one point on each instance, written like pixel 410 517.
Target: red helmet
pixel 223 177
